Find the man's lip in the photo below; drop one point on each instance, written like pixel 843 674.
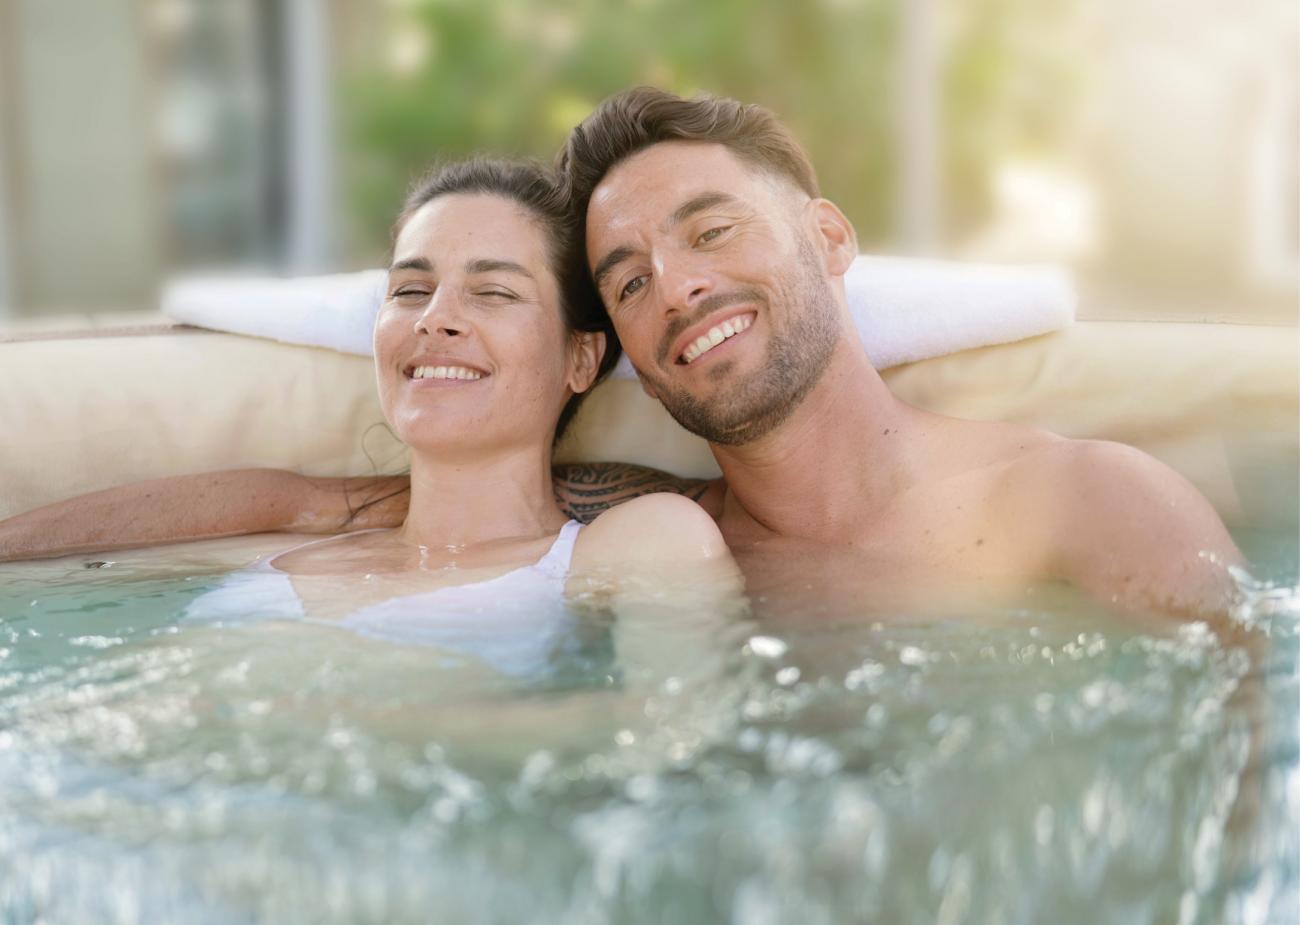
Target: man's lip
pixel 695 331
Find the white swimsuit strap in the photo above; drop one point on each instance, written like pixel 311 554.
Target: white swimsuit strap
pixel 264 565
pixel 555 564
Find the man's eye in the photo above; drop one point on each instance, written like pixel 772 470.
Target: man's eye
pixel 499 295
pixel 633 286
pixel 712 234
pixel 411 294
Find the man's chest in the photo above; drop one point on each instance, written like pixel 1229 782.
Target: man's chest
pixel 937 553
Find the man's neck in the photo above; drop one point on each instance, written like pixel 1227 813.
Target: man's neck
pixel 842 455
pixel 473 500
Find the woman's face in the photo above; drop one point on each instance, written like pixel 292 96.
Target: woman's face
pixel 471 350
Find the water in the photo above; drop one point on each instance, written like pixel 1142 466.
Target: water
pixel 1047 765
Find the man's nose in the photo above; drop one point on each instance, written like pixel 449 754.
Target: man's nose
pixel 683 282
pixel 444 314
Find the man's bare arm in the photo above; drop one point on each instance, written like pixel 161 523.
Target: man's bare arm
pixel 207 506
pixel 585 490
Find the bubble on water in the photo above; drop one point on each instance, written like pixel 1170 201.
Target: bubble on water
pixel 1044 824
pixel 912 656
pixel 1094 808
pixel 864 675
pixel 642 788
pixel 767 646
pixel 536 770
pixel 96 642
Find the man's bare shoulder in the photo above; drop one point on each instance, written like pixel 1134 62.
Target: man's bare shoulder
pixel 1118 522
pixel 1094 472
pixel 661 528
pixel 1095 480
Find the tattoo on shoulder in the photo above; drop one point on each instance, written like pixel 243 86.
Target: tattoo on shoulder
pixel 585 490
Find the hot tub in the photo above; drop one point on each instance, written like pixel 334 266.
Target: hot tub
pixel 1047 762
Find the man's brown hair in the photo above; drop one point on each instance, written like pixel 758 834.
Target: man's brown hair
pixel 635 119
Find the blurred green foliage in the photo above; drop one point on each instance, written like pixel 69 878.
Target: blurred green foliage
pixel 459 77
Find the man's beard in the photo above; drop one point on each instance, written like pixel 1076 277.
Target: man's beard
pixel 796 360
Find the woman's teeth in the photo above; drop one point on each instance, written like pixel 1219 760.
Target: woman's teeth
pixel 716 335
pixel 445 372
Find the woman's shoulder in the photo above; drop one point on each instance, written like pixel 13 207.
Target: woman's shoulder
pixel 661 527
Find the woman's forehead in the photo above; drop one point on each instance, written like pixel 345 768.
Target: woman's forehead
pixel 457 227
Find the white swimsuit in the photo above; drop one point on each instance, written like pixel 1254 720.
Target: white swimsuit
pixel 514 622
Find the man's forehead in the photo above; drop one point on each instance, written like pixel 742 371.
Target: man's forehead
pixel 675 166
pixel 644 190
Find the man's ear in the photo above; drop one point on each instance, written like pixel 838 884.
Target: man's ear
pixel 835 235
pixel 585 350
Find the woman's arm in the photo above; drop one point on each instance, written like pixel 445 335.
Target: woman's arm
pixel 206 506
pixel 238 502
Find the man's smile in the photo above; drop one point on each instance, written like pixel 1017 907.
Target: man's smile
pixel 715 336
pixel 704 338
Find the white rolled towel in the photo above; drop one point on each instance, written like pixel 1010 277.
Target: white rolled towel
pixel 336 311
pixel 905 309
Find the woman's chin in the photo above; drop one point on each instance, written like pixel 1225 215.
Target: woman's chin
pixel 449 438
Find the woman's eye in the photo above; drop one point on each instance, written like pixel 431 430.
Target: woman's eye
pixel 712 234
pixel 632 288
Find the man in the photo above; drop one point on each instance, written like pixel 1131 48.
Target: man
pixel 722 269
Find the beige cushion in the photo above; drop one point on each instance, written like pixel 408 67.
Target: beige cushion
pixel 1217 402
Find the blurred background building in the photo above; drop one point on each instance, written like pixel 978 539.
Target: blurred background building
pixel 1151 145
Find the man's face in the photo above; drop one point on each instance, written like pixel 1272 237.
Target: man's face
pixel 716 290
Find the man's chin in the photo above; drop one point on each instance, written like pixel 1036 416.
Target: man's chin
pixel 723 420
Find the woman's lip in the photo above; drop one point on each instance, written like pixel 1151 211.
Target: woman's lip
pixel 440 383
pixel 409 370
pixel 445 381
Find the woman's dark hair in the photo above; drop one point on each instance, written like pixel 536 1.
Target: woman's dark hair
pixel 538 190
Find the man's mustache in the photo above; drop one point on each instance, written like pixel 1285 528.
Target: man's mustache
pixel 708 305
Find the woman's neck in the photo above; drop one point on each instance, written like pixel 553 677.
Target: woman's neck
pixel 464 502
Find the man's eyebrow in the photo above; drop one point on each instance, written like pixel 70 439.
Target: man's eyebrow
pixel 692 206
pixel 483 265
pixel 412 263
pixel 609 261
pixel 698 204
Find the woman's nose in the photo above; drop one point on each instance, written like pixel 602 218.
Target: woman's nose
pixel 442 315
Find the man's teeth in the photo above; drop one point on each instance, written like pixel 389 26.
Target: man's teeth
pixel 445 372
pixel 716 335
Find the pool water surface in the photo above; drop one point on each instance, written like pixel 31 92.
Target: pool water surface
pixel 1045 764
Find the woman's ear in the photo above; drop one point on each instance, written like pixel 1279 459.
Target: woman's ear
pixel 835 236
pixel 586 348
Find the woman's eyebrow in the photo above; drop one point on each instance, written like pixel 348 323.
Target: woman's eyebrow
pixel 491 266
pixel 412 263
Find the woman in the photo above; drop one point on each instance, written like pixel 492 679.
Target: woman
pixel 488 338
